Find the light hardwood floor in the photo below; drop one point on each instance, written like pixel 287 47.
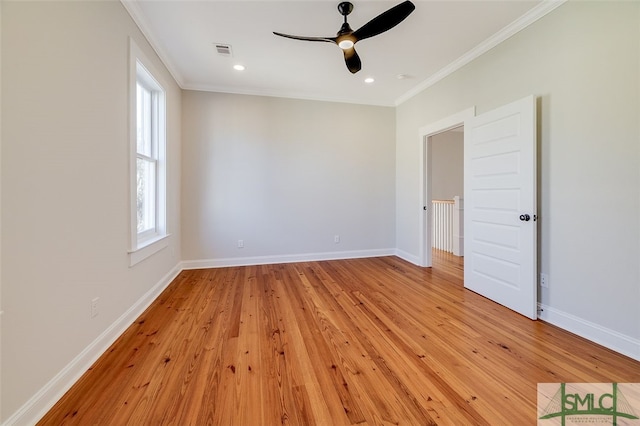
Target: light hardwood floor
pixel 364 341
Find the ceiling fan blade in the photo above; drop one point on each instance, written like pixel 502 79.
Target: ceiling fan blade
pixel 352 60
pixel 385 21
pixel 328 39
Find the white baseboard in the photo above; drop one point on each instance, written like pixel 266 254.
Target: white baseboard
pixel 40 403
pixel 287 258
pixel 608 338
pixel 408 257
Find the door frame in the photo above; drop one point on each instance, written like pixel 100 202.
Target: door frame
pixel 425 134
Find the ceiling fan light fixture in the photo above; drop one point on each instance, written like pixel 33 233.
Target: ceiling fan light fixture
pixel 239 67
pixel 369 80
pixel 345 44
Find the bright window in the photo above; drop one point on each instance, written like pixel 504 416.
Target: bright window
pixel 148 161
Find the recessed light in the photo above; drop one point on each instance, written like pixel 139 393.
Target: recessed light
pixel 369 80
pixel 239 67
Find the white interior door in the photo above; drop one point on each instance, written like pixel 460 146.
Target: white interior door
pixel 500 206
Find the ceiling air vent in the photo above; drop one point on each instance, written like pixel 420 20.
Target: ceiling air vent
pixel 223 49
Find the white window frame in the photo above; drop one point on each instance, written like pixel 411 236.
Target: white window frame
pixel 146 243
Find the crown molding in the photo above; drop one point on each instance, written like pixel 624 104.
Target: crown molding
pixel 136 14
pixel 544 8
pixel 286 95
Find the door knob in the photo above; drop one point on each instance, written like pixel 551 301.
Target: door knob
pixel 525 217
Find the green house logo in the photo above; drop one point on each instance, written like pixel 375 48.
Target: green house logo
pixel 588 403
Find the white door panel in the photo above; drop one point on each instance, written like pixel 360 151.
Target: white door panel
pixel 500 186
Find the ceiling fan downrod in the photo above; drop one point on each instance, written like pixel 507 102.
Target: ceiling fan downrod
pixel 345 8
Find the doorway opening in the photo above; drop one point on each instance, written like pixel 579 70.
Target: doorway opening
pixel 447 188
pixel 435 153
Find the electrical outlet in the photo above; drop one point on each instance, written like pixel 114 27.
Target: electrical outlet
pixel 544 280
pixel 240 243
pixel 94 307
pixel 336 239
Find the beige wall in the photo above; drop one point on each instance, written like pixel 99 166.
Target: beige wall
pixel 65 188
pixel 582 61
pixel 447 165
pixel 285 176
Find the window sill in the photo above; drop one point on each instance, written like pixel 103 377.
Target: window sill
pixel 148 248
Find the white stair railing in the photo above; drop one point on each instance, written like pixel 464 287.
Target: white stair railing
pixel 443 224
pixel 447 225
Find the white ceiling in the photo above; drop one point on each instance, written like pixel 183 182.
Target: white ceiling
pixel 437 37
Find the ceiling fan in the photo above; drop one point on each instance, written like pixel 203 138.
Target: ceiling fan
pixel 347 38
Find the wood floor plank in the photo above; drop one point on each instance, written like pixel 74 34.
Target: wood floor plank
pixel 361 341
